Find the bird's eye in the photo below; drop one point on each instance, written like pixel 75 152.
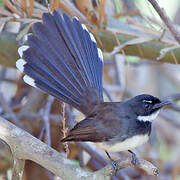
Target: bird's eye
pixel 146 105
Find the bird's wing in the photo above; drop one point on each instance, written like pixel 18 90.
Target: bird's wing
pixel 101 126
pixel 88 130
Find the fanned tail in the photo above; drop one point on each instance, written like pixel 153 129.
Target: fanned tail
pixel 62 59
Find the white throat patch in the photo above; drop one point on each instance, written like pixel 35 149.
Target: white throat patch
pixel 149 118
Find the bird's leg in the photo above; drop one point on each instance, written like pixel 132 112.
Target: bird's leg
pixel 112 161
pixel 135 160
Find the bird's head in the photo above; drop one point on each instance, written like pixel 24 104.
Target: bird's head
pixel 147 107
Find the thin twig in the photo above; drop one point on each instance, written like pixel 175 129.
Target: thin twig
pixel 66 148
pixel 55 119
pixel 69 8
pixel 173 97
pixel 47 110
pixel 174 57
pixel 41 133
pixel 7 109
pixel 48 5
pixel 101 11
pixel 80 156
pixel 107 94
pixel 166 20
pixel 167 116
pixel 18 168
pixel 70 123
pixel 11 7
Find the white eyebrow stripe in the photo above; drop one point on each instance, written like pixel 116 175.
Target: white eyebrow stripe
pixel 147 101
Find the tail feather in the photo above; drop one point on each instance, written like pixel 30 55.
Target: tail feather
pixel 58 50
pixel 46 60
pixel 40 72
pixel 65 31
pixel 44 81
pixel 43 76
pixel 92 53
pixel 63 60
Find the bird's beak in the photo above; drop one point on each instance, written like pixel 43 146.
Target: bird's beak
pixel 161 104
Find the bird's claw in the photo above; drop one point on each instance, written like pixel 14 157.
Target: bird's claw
pixel 114 165
pixel 135 160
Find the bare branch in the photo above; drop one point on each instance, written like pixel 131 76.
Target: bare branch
pixel 9 110
pixel 66 148
pixel 148 167
pixel 18 168
pixel 55 119
pixel 50 100
pixel 24 146
pixel 70 9
pixel 166 20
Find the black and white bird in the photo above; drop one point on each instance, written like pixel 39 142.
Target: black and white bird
pixel 62 59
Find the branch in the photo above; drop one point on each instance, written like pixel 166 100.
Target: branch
pixel 18 168
pixel 9 56
pixel 70 9
pixel 25 146
pixel 166 20
pixel 50 100
pixel 7 109
pixel 151 49
pixel 148 167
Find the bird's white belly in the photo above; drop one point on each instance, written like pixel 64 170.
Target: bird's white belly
pixel 127 144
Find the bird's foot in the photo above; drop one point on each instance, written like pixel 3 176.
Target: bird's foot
pixel 135 160
pixel 114 164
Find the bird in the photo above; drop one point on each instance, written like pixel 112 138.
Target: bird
pixel 61 58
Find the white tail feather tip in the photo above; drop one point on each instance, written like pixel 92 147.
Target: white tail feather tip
pixel 26 36
pixel 92 37
pixel 29 80
pixel 100 54
pixel 84 27
pixel 22 49
pixel 75 18
pixel 20 64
